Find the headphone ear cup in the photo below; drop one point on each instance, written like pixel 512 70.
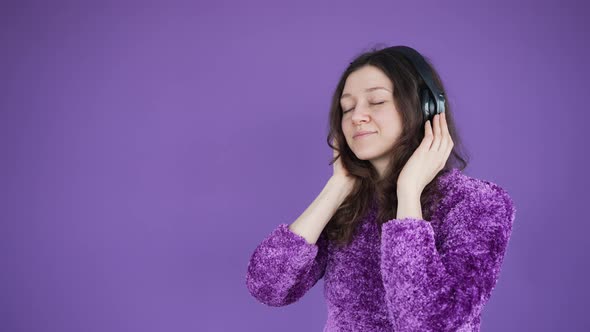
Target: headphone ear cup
pixel 428 104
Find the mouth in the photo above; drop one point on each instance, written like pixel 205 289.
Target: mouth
pixel 362 135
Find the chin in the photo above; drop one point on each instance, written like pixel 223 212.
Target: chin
pixel 365 155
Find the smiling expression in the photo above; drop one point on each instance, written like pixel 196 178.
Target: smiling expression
pixel 367 105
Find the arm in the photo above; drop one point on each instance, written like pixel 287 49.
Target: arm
pixel 285 266
pixel 289 262
pixel 432 289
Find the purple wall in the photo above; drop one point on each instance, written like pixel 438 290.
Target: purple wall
pixel 147 150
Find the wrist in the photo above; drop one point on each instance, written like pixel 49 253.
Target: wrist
pixel 408 206
pixel 341 180
pixel 408 195
pixel 341 184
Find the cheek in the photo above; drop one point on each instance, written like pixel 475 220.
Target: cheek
pixel 392 118
pixel 345 126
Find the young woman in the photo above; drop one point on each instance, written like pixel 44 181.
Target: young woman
pixel 403 239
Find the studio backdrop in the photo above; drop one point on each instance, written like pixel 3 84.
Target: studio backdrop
pixel 148 147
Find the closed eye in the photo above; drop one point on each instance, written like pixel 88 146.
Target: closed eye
pixel 370 103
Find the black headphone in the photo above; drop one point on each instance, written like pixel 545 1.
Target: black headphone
pixel 432 98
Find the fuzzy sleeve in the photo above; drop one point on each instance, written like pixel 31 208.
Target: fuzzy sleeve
pixel 440 287
pixel 284 266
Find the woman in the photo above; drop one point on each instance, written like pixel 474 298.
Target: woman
pixel 403 239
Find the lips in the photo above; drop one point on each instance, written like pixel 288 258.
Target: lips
pixel 363 133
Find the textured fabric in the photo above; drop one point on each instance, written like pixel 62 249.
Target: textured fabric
pixel 418 276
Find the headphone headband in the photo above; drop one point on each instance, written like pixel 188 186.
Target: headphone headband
pixel 430 107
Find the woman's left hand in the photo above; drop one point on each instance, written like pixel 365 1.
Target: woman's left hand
pixel 429 158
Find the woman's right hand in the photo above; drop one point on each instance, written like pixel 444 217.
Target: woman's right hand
pixel 339 170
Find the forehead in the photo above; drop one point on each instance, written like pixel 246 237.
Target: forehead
pixel 364 80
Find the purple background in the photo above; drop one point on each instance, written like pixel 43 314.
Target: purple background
pixel 146 150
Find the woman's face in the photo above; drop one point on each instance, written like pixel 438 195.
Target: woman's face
pixel 367 105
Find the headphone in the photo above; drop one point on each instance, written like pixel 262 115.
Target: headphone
pixel 432 98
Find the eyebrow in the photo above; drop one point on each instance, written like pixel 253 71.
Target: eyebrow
pixel 346 95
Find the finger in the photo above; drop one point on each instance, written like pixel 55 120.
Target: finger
pixel 436 132
pixel 447 139
pixel 335 144
pixel 445 136
pixel 444 125
pixel 427 140
pixel 440 129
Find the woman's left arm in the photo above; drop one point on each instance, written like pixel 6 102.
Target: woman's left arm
pixel 430 289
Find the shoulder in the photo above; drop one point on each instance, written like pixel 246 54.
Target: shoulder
pixel 479 195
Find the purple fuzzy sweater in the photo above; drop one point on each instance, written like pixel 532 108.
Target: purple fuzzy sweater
pixel 419 276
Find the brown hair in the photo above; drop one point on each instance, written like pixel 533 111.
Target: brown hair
pixel 369 190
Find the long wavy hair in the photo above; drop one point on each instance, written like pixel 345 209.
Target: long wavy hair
pixel 371 191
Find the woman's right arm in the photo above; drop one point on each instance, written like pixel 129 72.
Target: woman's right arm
pixel 313 220
pixel 288 262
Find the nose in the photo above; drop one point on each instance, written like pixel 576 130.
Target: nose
pixel 360 114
